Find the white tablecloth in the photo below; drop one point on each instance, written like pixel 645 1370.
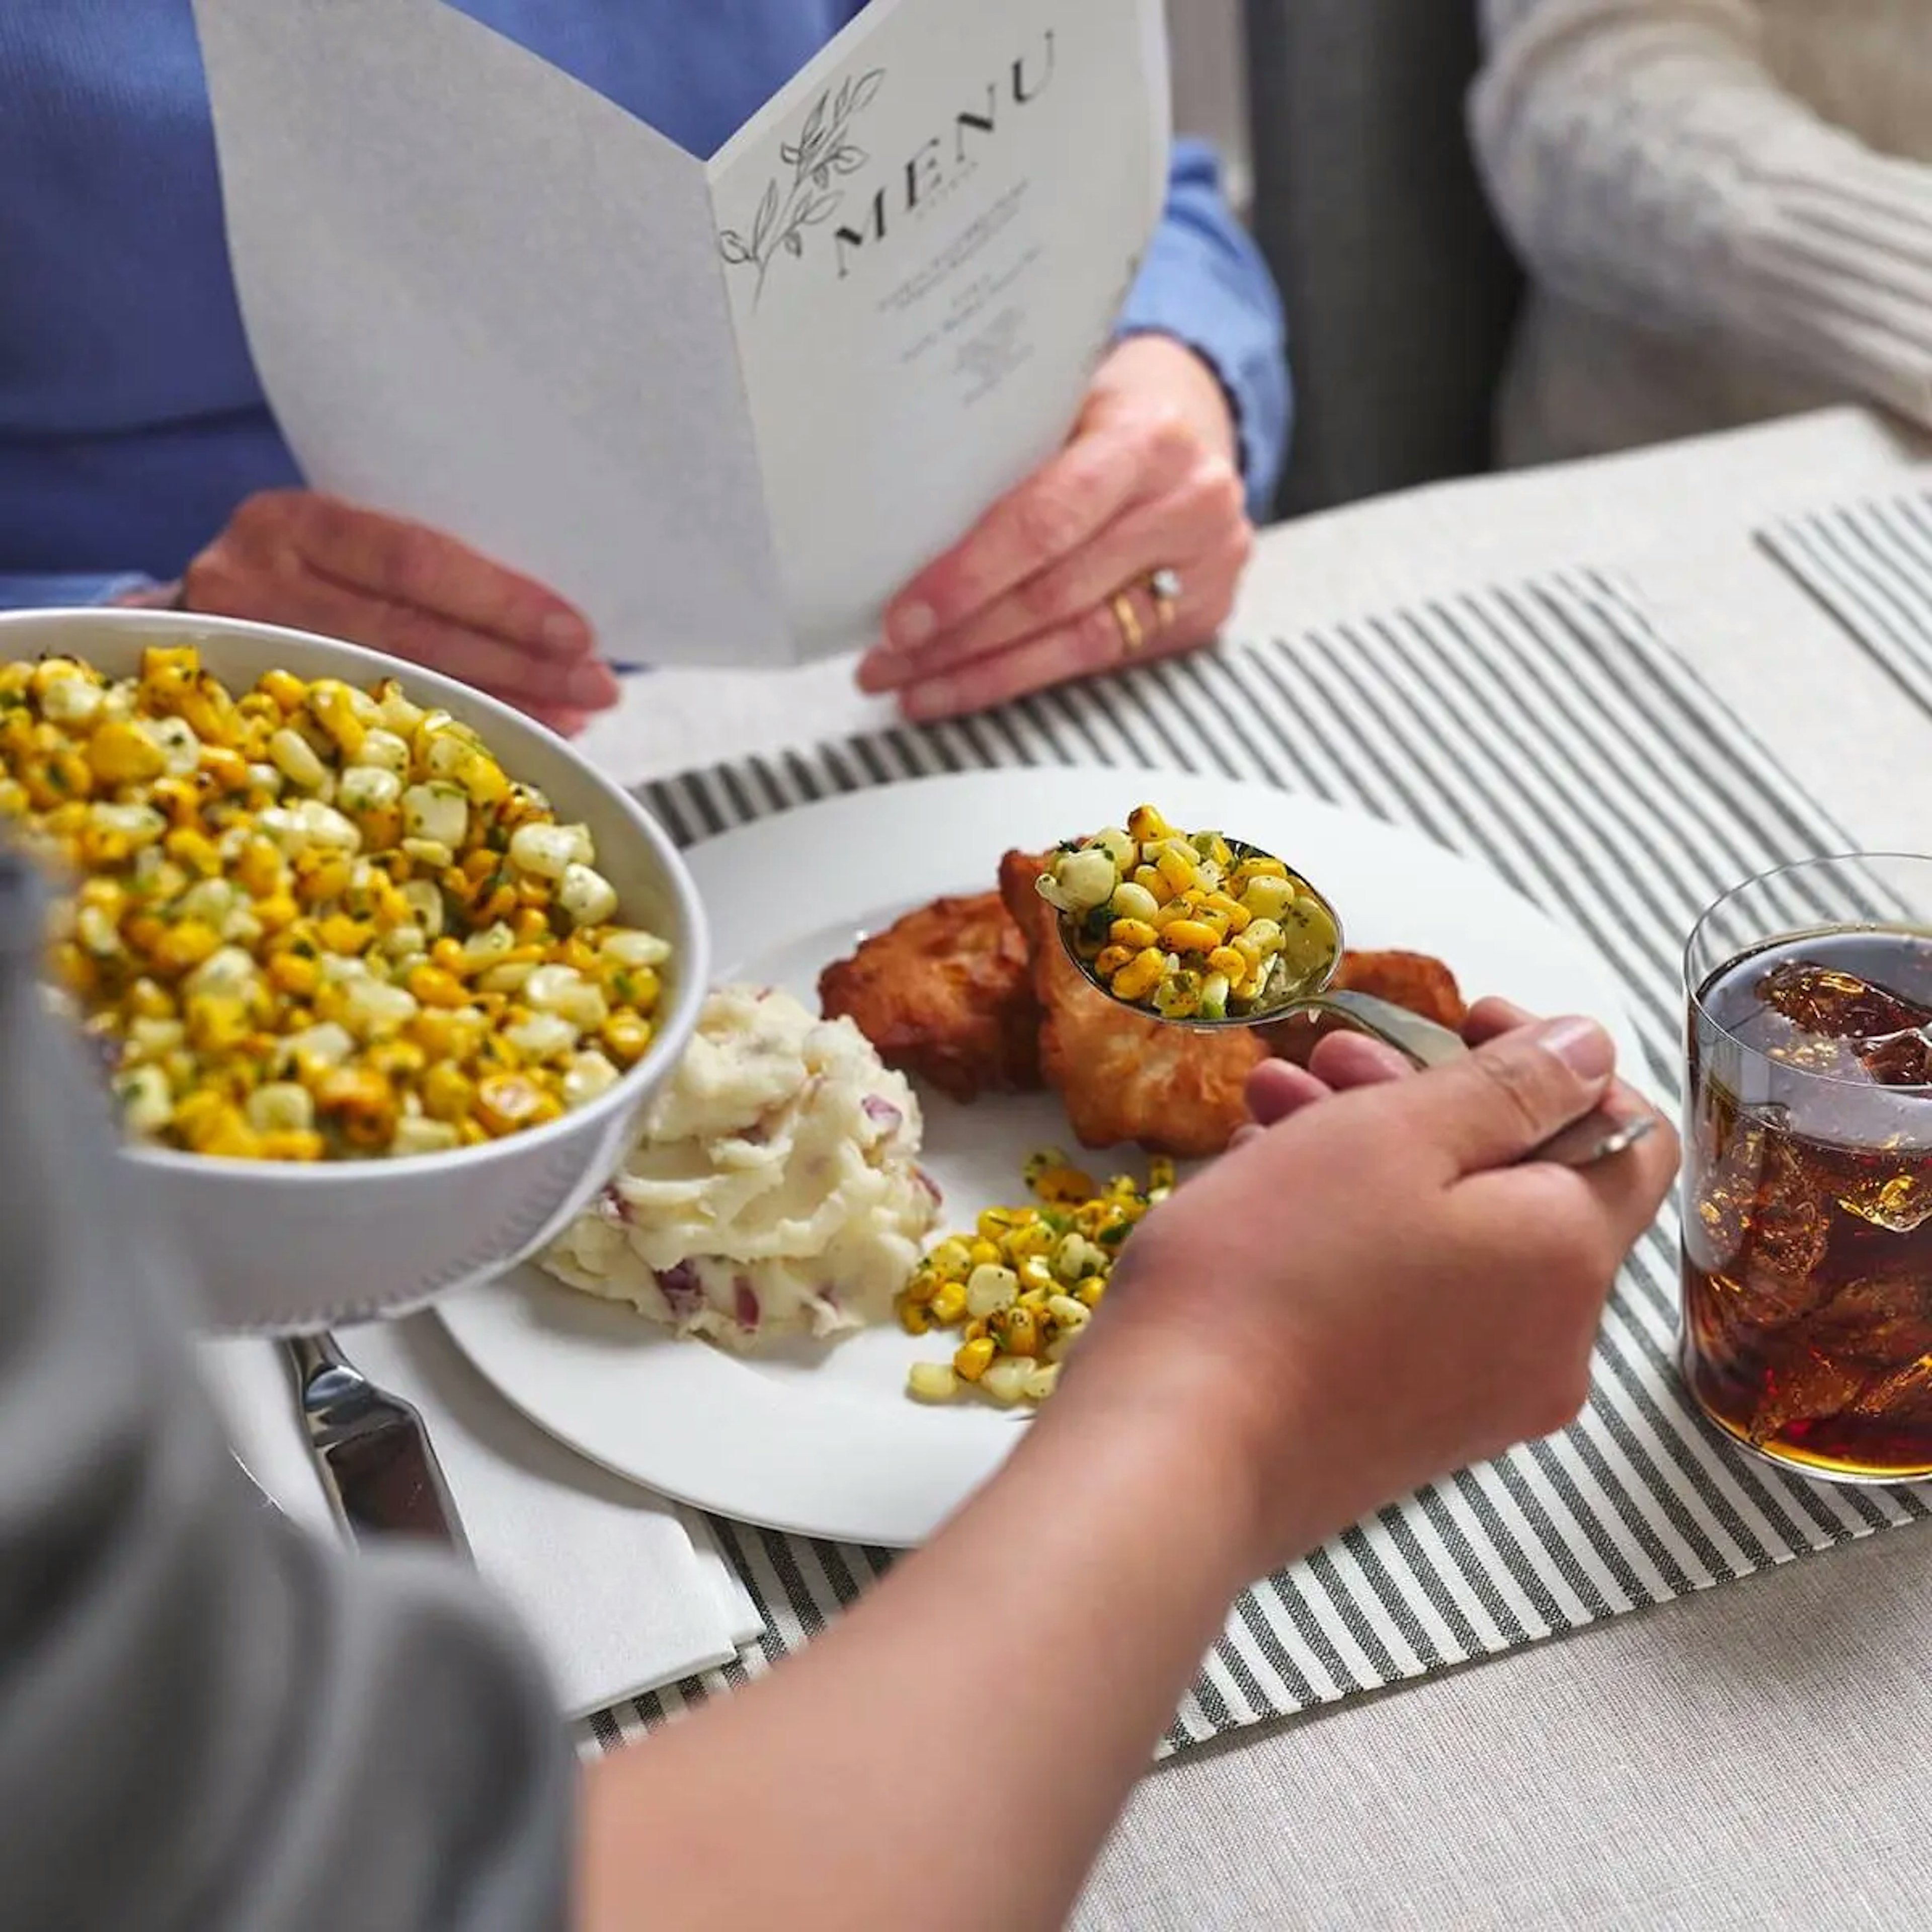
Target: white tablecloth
pixel 1757 1758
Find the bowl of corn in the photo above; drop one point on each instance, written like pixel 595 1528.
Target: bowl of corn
pixel 379 972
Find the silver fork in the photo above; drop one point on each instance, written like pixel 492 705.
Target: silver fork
pixel 377 1465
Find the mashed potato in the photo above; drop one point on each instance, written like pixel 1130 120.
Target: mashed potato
pixel 773 1190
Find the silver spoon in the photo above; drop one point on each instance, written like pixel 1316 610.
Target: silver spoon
pixel 1300 985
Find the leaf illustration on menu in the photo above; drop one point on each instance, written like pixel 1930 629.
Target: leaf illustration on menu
pixel 814 136
pixel 768 213
pixel 823 151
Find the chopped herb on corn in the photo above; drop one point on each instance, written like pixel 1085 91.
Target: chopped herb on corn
pixel 1022 1286
pixel 313 922
pixel 1182 923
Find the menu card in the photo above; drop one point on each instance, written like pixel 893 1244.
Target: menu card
pixel 726 406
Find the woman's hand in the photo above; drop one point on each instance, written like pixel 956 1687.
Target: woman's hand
pixel 293 557
pixel 1149 482
pixel 1359 1298
pixel 1371 1292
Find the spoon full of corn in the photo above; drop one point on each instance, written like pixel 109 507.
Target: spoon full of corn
pixel 1202 930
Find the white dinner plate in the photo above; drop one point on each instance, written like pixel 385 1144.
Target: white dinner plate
pixel 823 1440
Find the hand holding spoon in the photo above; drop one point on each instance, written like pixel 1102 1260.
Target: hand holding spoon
pixel 1101 889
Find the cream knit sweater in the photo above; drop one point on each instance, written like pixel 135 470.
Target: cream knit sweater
pixel 1727 205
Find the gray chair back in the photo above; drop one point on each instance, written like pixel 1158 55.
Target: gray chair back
pixel 1401 293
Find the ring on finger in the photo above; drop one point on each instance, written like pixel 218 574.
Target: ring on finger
pixel 1163 589
pixel 1133 632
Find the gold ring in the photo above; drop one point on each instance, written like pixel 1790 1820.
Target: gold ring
pixel 1133 633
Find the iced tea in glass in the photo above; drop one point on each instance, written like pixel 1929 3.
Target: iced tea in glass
pixel 1808 1188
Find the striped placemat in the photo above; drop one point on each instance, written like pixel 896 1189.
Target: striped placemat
pixel 1870 564
pixel 1547 731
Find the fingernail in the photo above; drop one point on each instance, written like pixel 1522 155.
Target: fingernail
pixel 1581 1044
pixel 590 685
pixel 563 632
pixel 908 628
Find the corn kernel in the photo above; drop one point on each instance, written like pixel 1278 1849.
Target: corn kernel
pixel 120 753
pixel 1177 871
pixel 448 1094
pixel 991 1287
pixel 972 1359
pixel 625 1037
pixel 1140 975
pixel 1036 1273
pixel 932 1381
pixel 1268 897
pixel 1188 935
pixel 435 986
pixel 361 1103
pixel 289 692
pixel 949 1304
pixel 191 847
pixel 507 1102
pixel 1021 1332
pixel 1065 1187
pixel 293 1146
pixel 1005 1379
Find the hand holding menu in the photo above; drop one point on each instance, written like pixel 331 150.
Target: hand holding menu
pixel 727 408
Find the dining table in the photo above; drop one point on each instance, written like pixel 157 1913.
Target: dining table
pixel 1757 1754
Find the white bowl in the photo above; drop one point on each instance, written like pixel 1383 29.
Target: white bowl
pixel 276 1247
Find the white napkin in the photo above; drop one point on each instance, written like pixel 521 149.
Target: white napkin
pixel 621 1591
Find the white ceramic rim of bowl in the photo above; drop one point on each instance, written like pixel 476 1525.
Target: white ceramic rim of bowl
pixel 690 979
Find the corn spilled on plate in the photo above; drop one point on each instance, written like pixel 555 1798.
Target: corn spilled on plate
pixel 1020 1288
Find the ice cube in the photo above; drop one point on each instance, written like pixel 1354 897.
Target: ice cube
pixel 1805 1387
pixel 1790 1222
pixel 1899 1203
pixel 1715 1231
pixel 1837 1005
pixel 1877 1322
pixel 1899 1060
pixel 1900 1396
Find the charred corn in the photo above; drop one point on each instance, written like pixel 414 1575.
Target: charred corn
pixel 286 903
pixel 1020 1287
pixel 1148 906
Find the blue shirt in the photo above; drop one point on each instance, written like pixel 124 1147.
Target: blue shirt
pixel 132 423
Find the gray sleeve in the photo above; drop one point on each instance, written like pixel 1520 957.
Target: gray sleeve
pixel 207 1720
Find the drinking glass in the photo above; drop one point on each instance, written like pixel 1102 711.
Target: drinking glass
pixel 1807 1179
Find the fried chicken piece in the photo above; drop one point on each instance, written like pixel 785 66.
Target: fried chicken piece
pixel 1120 1075
pixel 1412 980
pixel 945 994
